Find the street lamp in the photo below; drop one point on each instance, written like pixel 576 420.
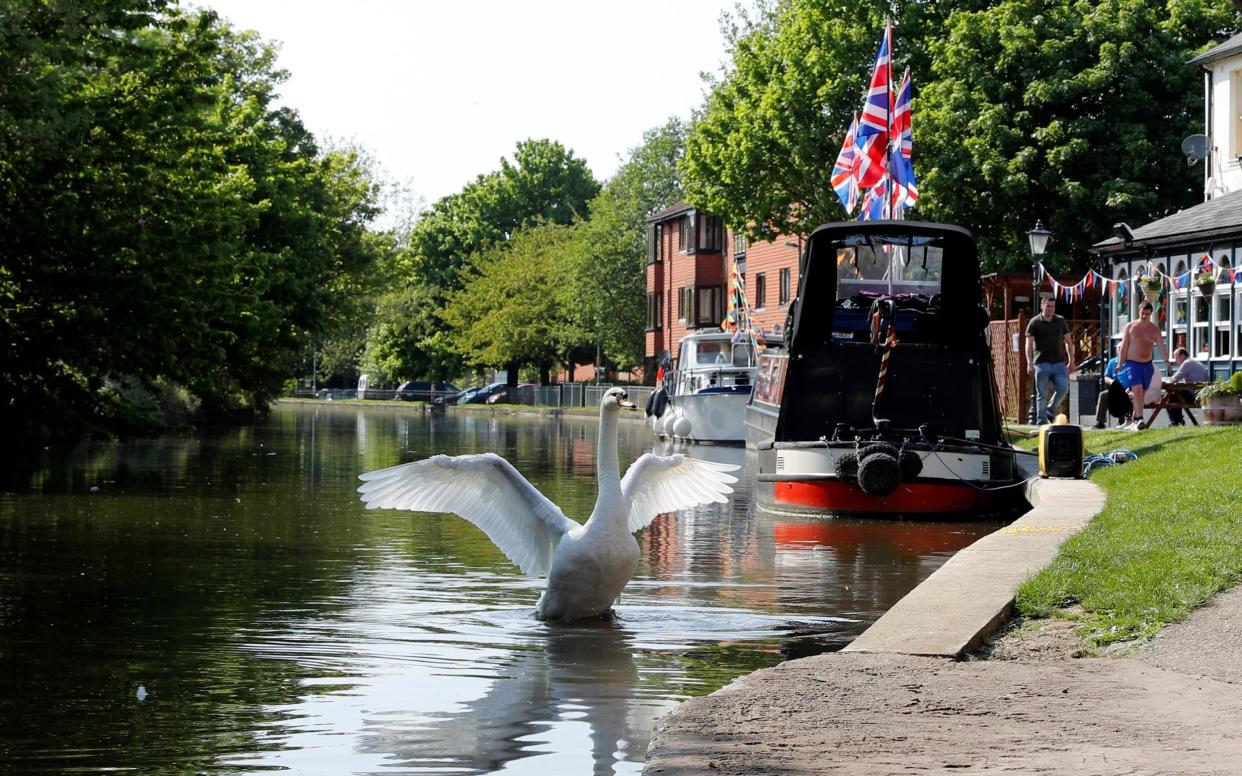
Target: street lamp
pixel 1039 243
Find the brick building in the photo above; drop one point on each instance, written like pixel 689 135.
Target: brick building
pixel 690 256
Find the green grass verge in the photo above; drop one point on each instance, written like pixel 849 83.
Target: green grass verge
pixel 1169 538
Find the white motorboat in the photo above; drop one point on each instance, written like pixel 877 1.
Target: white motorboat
pixel 703 400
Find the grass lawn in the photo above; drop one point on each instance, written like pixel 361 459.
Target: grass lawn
pixel 1169 538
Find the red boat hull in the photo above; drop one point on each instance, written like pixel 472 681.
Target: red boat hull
pixel 909 498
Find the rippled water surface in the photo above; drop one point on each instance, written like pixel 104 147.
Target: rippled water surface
pixel 223 603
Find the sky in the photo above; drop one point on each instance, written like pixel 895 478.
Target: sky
pixel 439 91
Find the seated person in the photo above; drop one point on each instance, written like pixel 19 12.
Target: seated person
pixel 1188 371
pixel 1101 402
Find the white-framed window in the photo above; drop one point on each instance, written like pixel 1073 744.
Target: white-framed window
pixel 1121 306
pixel 1200 333
pixel 740 244
pixel 1179 312
pixel 685 234
pixel 1222 347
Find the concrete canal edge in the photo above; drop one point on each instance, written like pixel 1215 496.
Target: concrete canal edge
pixel 968 598
pixel 947 615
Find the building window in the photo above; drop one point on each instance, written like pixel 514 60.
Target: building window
pixel 740 244
pixel 655 243
pixel 1121 304
pixel 761 291
pixel 685 236
pixel 1224 309
pixel 784 286
pixel 711 235
pixel 655 310
pixel 1202 311
pixel 681 303
pixel 708 307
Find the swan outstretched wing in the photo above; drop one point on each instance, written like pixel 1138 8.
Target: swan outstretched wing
pixel 655 484
pixel 484 489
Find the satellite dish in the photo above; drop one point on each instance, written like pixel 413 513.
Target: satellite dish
pixel 1196 147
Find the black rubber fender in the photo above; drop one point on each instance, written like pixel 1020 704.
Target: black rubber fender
pixel 911 465
pixel 846 467
pixel 879 474
pixel 657 402
pixel 877 447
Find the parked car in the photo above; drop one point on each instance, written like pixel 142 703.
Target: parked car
pixel 422 390
pixel 503 393
pixel 481 394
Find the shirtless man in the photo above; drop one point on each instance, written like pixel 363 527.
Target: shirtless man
pixel 1140 339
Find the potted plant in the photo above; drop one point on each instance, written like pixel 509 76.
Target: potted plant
pixel 1222 401
pixel 1152 286
pixel 1205 281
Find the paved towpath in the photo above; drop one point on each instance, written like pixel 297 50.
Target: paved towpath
pixel 898 702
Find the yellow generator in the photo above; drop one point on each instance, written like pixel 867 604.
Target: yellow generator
pixel 1060 450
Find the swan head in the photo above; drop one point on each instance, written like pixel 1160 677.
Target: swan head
pixel 616 398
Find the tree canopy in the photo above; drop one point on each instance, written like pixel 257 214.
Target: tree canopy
pixel 510 312
pixel 161 221
pixel 544 183
pixel 1055 109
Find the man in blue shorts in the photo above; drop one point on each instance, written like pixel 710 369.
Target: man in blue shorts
pixel 1138 346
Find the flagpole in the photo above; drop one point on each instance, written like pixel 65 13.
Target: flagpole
pixel 888 172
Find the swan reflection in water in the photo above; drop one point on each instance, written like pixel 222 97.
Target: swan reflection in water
pixel 580 674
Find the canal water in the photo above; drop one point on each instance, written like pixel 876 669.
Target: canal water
pixel 222 603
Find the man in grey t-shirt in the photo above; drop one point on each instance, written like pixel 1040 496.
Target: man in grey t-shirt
pixel 1051 350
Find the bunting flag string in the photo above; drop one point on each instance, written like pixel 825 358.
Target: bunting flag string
pixel 1120 287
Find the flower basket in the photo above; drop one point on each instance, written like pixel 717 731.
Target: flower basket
pixel 1206 283
pixel 1152 286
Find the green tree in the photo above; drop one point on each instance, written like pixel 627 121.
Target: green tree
pixel 507 310
pixel 1065 111
pixel 1024 109
pixel 544 183
pixel 605 280
pixel 160 221
pixel 761 150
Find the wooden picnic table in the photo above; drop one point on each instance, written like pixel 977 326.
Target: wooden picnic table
pixel 1172 395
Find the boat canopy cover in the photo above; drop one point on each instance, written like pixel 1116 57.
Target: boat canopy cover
pixel 861 281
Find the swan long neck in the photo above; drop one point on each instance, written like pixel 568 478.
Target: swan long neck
pixel 607 472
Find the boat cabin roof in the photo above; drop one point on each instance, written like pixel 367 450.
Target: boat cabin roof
pixel 716 349
pixel 933 268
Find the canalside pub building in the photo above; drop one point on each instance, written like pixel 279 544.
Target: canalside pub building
pixel 1195 252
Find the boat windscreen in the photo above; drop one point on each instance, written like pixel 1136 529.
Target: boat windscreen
pixel 743 355
pixel 900 264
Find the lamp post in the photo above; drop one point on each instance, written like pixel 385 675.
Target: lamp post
pixel 1039 243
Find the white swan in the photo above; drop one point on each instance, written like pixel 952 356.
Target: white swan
pixel 587 565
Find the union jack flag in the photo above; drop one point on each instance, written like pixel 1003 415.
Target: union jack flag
pixel 845 171
pixel 905 188
pixel 873 125
pixel 873 203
